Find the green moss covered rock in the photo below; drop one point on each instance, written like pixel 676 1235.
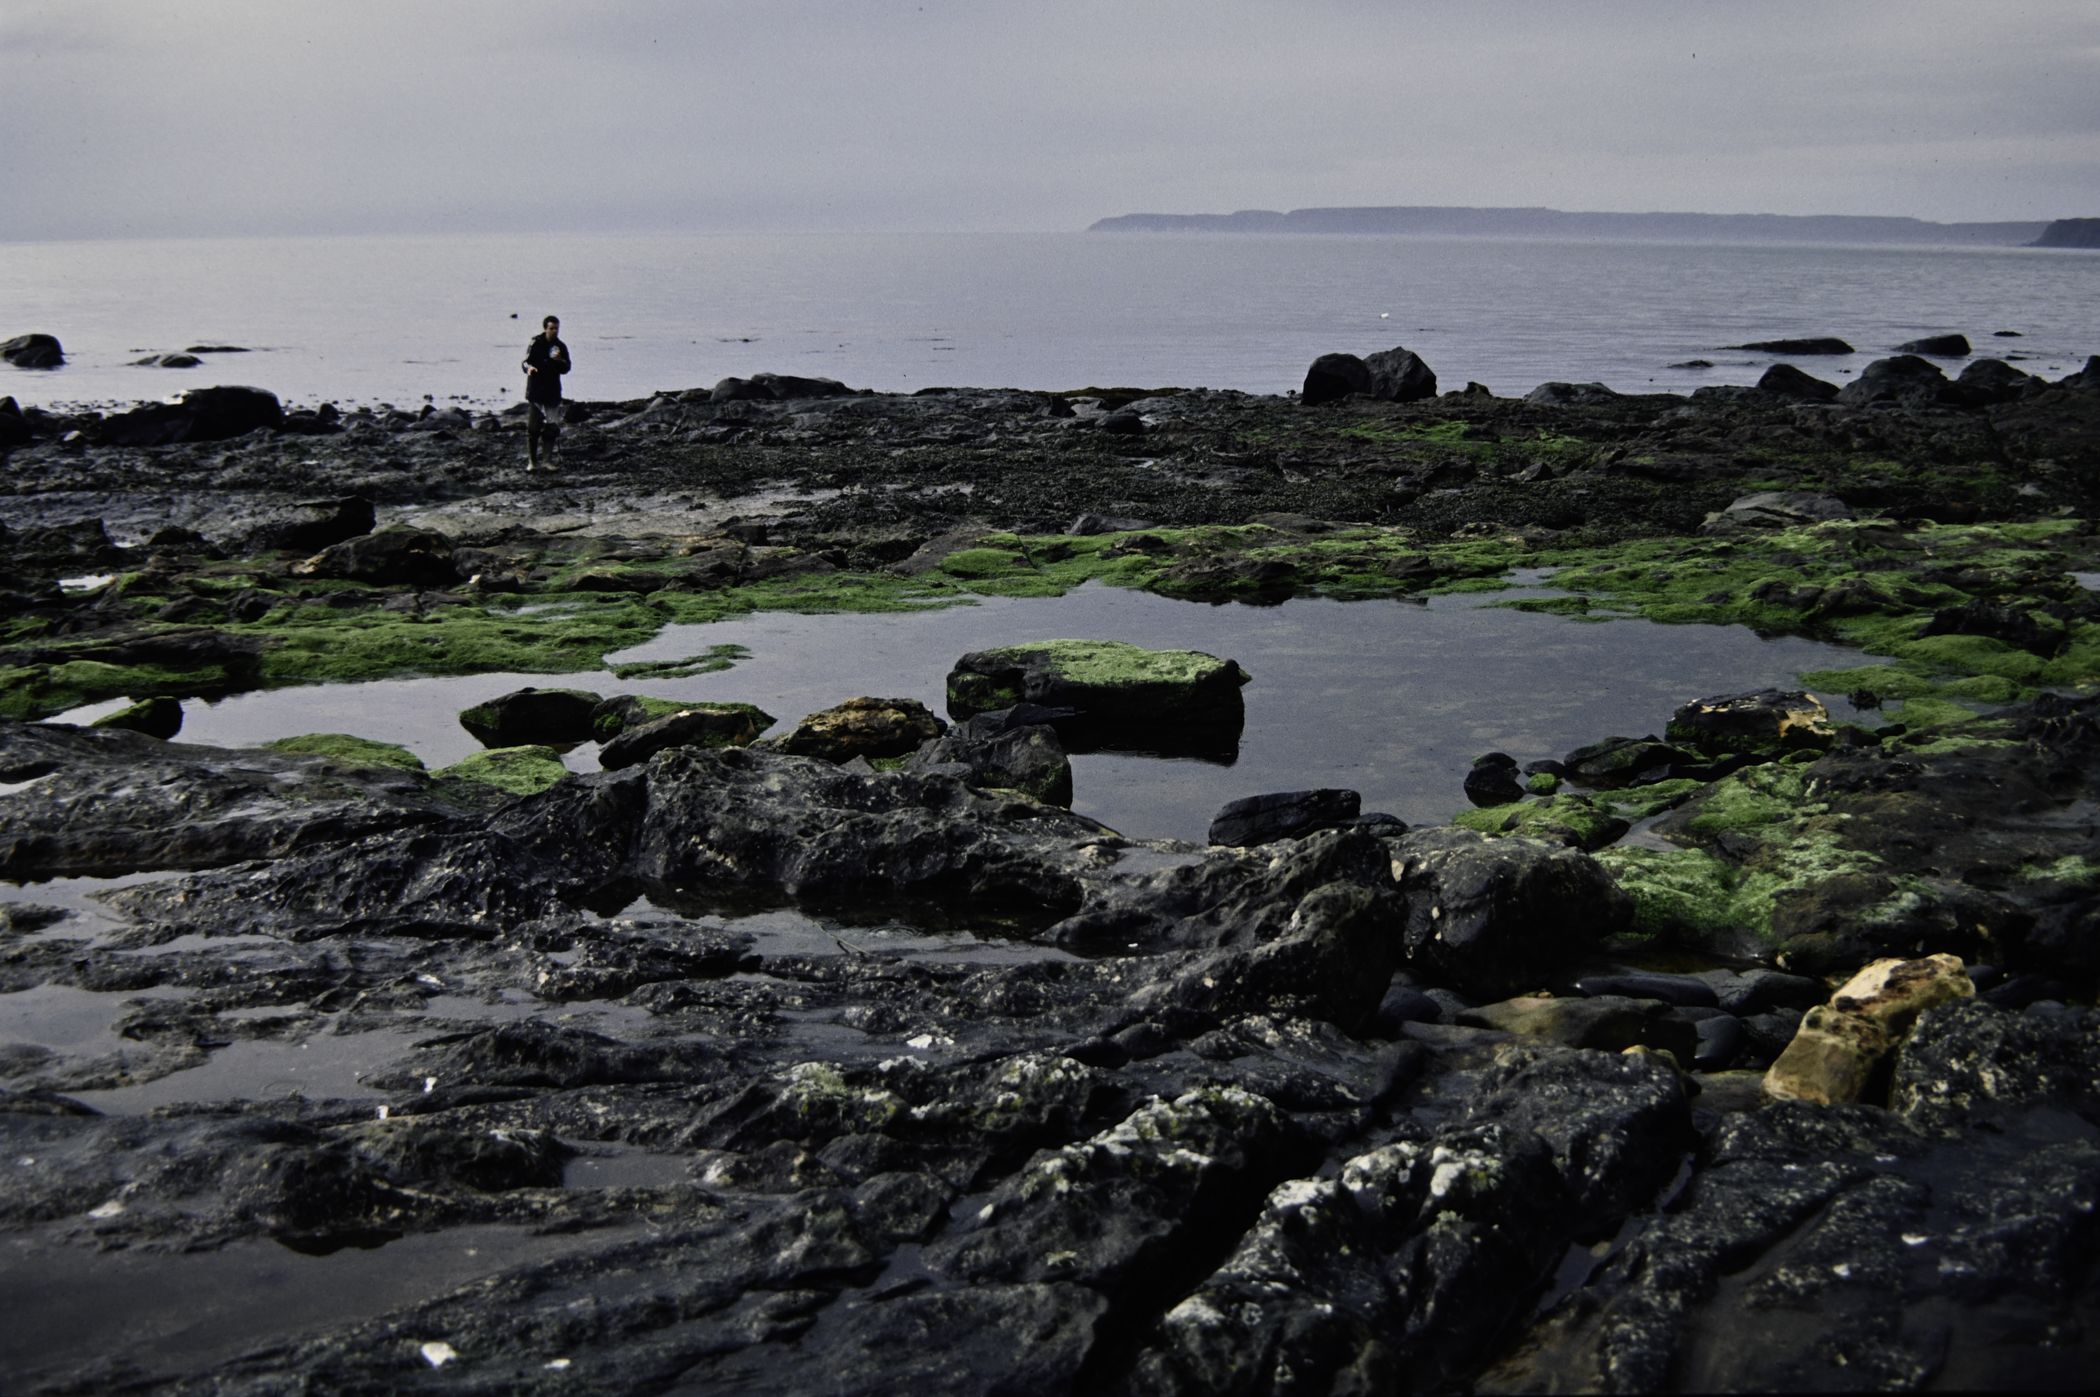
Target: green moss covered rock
pixel 522 771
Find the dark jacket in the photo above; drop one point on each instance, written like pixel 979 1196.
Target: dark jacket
pixel 551 358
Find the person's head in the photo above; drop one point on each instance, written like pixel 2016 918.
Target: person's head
pixel 551 326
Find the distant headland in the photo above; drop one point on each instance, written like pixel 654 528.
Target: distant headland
pixel 1660 227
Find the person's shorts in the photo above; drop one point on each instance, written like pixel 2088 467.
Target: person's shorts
pixel 547 416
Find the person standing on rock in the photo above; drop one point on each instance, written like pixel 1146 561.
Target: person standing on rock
pixel 546 360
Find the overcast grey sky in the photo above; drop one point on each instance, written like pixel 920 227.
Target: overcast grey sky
pixel 173 117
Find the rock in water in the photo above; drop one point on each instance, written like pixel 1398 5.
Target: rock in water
pixel 392 557
pixel 1767 723
pixel 531 716
pixel 155 717
pixel 989 752
pixel 863 727
pixel 1988 381
pixel 33 351
pixel 1494 781
pixel 693 725
pixel 1939 346
pixel 1241 824
pixel 1175 699
pixel 1826 344
pixel 1790 382
pixel 1333 377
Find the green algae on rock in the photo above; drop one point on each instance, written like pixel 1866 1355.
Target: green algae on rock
pixel 522 771
pixel 1107 679
pixel 350 751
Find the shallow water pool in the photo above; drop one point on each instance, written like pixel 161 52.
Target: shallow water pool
pixel 1392 699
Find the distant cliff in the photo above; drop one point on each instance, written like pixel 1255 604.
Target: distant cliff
pixel 2065 232
pixel 1553 223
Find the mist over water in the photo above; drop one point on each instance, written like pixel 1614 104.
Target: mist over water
pixel 370 319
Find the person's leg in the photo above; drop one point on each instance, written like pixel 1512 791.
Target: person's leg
pixel 533 422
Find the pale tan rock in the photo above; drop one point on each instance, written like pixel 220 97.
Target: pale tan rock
pixel 1832 1056
pixel 864 727
pixel 1892 993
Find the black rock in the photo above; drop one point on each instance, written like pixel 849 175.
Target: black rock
pixel 1625 761
pixel 1939 346
pixel 1572 395
pixel 1671 989
pixel 397 556
pixel 2011 624
pixel 1989 381
pixel 1905 380
pixel 1499 916
pixel 996 752
pixel 1253 820
pixel 1398 375
pixel 310 526
pixel 1790 382
pixel 1493 780
pixel 1123 424
pixel 33 351
pixel 1824 345
pixel 527 716
pixel 1087 525
pixel 1333 377
pixel 1402 1005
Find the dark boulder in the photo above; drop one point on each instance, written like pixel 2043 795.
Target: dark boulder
pixel 1263 819
pixel 988 751
pixel 1774 509
pixel 168 361
pixel 694 725
pixel 1790 382
pixel 1990 381
pixel 14 427
pixel 150 424
pixel 776 387
pixel 1626 761
pixel 1572 395
pixel 1126 692
pixel 33 352
pixel 1905 381
pixel 225 412
pixel 1823 345
pixel 1493 780
pixel 1499 916
pixel 2013 625
pixel 1398 375
pixel 532 716
pixel 1333 377
pixel 310 526
pixel 1681 990
pixel 394 557
pixel 1939 346
pixel 1123 424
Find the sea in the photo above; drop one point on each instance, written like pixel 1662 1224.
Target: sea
pixel 406 319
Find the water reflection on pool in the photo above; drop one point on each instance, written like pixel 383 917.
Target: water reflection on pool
pixel 1393 699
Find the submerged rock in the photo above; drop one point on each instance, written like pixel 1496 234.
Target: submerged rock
pixel 155 717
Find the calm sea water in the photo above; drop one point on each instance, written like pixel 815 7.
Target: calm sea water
pixel 395 319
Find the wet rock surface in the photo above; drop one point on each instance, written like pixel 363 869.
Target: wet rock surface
pixel 758 1068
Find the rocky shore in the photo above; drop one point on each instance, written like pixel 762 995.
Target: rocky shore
pixel 838 1054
